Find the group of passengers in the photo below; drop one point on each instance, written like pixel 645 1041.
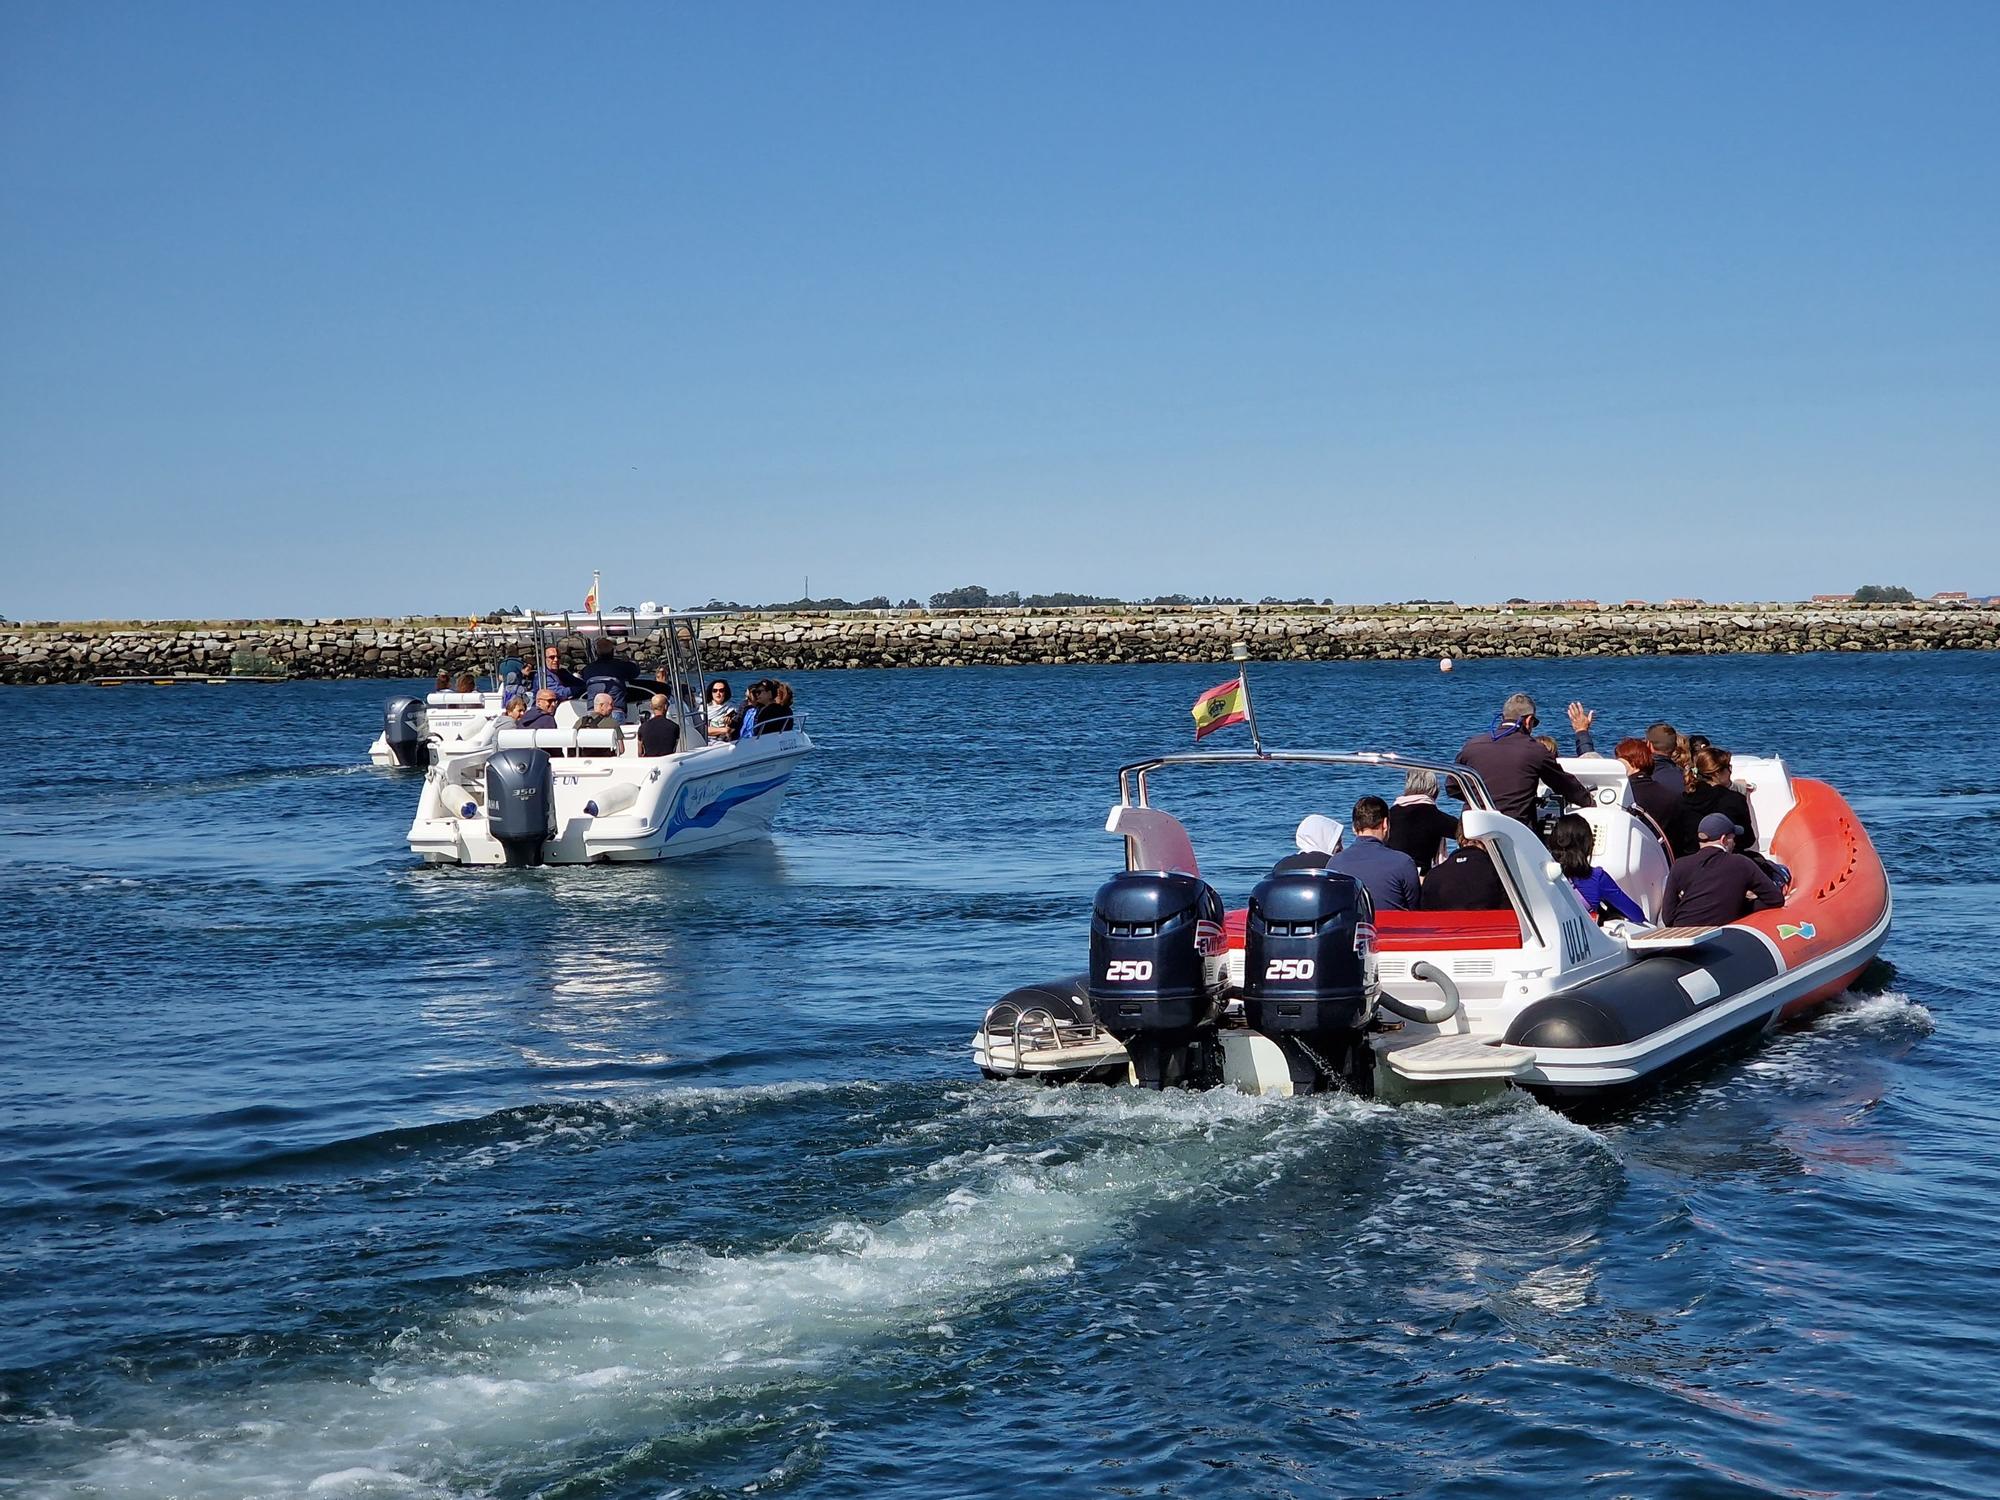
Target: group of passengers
pixel 1681 784
pixel 609 683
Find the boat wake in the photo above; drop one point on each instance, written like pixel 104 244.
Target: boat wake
pixel 692 1355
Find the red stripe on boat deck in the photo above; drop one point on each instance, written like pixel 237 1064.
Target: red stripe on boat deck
pixel 1421 931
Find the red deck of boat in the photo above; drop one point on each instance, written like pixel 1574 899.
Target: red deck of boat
pixel 1422 931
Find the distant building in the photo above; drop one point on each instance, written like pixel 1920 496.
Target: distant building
pixel 1958 597
pixel 1832 599
pixel 1682 603
pixel 1581 604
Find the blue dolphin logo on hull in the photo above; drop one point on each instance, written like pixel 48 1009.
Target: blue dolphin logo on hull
pixel 679 820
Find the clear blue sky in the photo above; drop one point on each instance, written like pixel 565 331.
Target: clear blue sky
pixel 404 307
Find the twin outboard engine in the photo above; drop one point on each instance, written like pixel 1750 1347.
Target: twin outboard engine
pixel 1157 971
pixel 1309 978
pixel 520 802
pixel 404 726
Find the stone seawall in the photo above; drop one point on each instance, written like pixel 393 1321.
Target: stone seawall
pixel 1002 637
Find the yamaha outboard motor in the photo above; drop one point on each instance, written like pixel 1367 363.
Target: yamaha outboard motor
pixel 1309 979
pixel 1157 973
pixel 520 802
pixel 404 725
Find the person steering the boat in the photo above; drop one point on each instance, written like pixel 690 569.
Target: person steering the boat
pixel 1512 763
pixel 608 672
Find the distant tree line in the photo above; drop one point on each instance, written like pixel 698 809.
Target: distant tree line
pixel 1883 593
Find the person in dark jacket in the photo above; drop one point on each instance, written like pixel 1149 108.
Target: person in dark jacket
pixel 1511 763
pixel 1418 827
pixel 1711 792
pixel 1387 874
pixel 1716 885
pixel 1464 880
pixel 1654 798
pixel 777 716
pixel 543 714
pixel 1666 742
pixel 608 672
pixel 660 734
pixel 1318 838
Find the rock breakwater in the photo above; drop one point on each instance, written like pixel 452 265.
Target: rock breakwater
pixel 49 653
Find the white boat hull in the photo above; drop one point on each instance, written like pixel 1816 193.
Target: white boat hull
pixel 646 809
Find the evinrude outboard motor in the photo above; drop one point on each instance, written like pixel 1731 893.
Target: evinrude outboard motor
pixel 404 726
pixel 1157 972
pixel 1309 980
pixel 520 802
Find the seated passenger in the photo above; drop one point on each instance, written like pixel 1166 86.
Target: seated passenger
pixel 718 717
pixel 756 698
pixel 1658 800
pixel 1571 845
pixel 443 683
pixel 1318 838
pixel 517 709
pixel 603 715
pixel 550 675
pixel 543 714
pixel 1716 885
pixel 777 717
pixel 466 683
pixel 1418 827
pixel 1389 875
pixel 661 734
pixel 1666 740
pixel 1710 791
pixel 1464 880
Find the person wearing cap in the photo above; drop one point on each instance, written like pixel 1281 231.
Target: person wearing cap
pixel 1512 762
pixel 1716 885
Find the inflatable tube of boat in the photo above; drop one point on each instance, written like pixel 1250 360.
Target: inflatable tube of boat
pixel 1835 916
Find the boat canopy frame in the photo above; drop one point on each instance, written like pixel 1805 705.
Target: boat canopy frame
pixel 1133 777
pixel 681 629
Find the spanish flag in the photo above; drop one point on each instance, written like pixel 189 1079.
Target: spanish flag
pixel 590 599
pixel 1219 706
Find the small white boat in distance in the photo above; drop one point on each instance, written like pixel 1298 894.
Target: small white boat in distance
pixel 501 795
pixel 412 725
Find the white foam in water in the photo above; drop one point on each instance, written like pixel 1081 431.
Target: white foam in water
pixel 627 1350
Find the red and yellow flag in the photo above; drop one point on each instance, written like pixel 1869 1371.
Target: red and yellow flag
pixel 1219 706
pixel 590 599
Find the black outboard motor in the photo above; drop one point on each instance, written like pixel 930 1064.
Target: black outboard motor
pixel 404 725
pixel 1157 973
pixel 1309 979
pixel 520 802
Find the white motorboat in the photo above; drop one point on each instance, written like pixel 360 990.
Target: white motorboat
pixel 501 795
pixel 1309 987
pixel 412 725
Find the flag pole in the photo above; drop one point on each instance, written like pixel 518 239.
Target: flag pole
pixel 1239 652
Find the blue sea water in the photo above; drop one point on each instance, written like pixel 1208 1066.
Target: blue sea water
pixel 327 1174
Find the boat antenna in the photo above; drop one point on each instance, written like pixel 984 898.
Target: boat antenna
pixel 1239 652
